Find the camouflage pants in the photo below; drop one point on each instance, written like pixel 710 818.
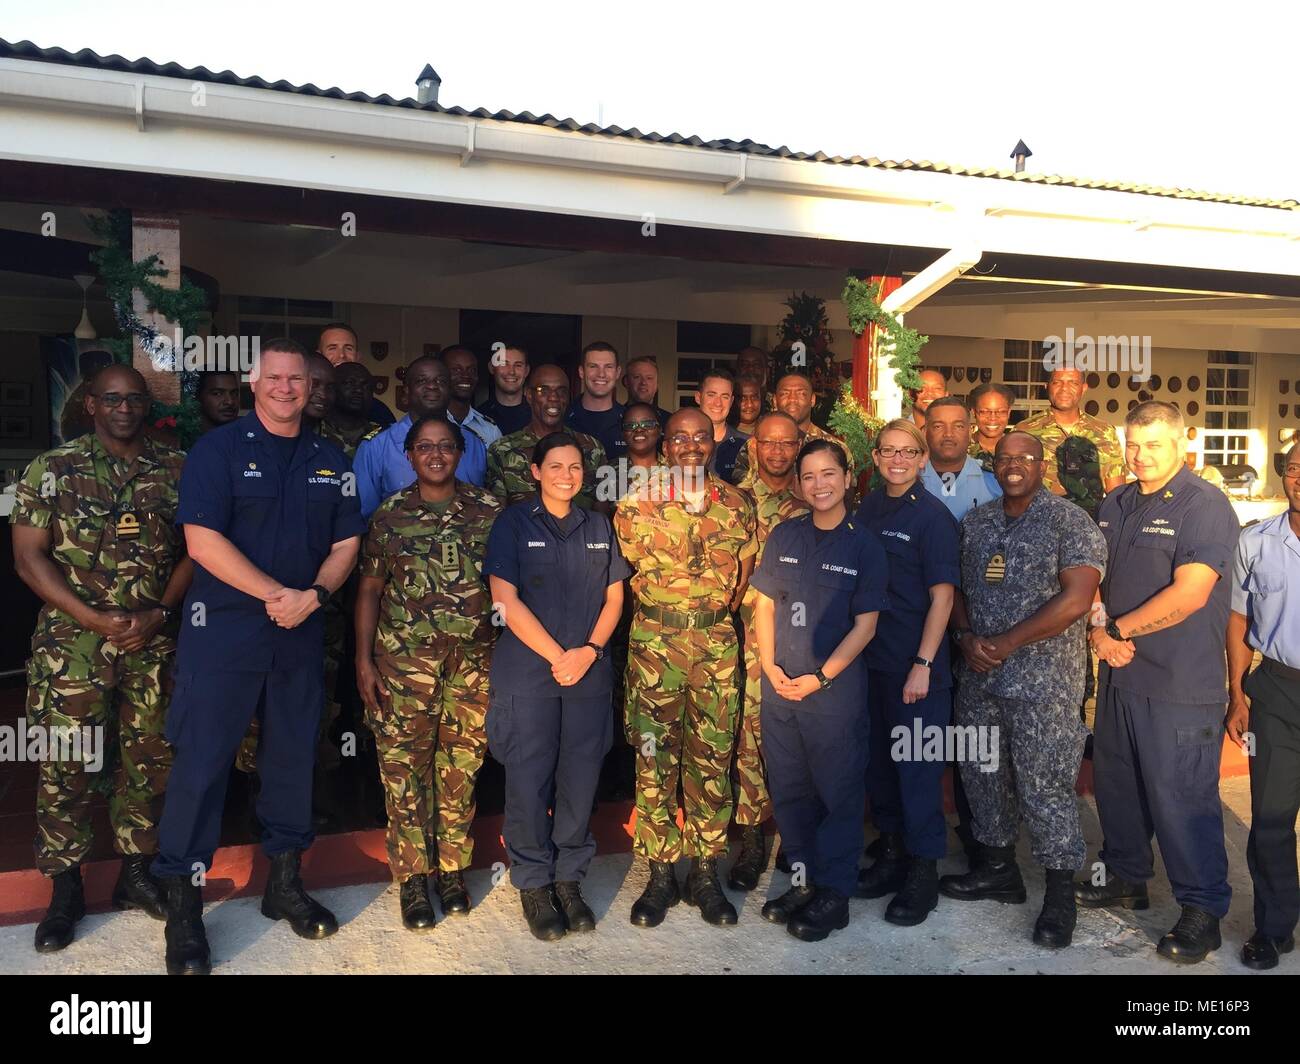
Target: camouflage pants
pixel 82 682
pixel 327 754
pixel 682 704
pixel 753 803
pixel 431 738
pixel 1039 748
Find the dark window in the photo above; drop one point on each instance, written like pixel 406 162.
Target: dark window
pixel 711 337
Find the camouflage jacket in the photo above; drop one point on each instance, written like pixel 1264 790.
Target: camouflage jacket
pixel 686 561
pixel 1079 459
pixel 770 509
pixel 985 458
pixel 509 467
pixel 431 563
pixel 112 525
pixel 348 440
pixel 746 471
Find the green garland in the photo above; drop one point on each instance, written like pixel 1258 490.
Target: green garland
pixel 860 303
pixel 855 426
pixel 187 306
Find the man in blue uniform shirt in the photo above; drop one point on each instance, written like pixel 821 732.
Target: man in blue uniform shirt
pixel 272 525
pixel 1267 702
pixel 381 465
pixel 462 367
pixel 951 475
pixel 596 412
pixel 1162 688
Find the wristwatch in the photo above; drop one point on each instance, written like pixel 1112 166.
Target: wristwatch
pixel 918 660
pixel 322 594
pixel 600 651
pixel 1112 629
pixel 960 634
pixel 168 612
pixel 823 679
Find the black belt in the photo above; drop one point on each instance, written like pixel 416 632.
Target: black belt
pixel 677 619
pixel 1282 672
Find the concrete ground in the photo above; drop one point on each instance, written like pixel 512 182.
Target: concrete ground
pixel 973 938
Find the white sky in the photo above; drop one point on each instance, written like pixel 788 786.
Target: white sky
pixel 1191 94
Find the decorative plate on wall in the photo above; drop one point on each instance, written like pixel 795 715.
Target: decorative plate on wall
pixel 1091 408
pixel 1112 380
pixel 1144 396
pixel 1132 403
pixel 1193 408
pixel 379 350
pixel 1153 382
pixel 986 375
pixel 1094 380
pixel 1175 384
pixel 1112 406
pixel 1284 386
pixel 1281 409
pixel 1193 384
pixel 959 374
pixel 1296 408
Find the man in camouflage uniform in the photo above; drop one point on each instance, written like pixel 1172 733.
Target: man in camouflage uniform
pixel 794 396
pixel 1084 459
pixel 346 423
pixel 423 675
pixel 693 552
pixel 777 437
pixel 1031 563
pixel 94 537
pixel 510 459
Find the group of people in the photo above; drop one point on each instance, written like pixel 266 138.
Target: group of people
pixel 777 647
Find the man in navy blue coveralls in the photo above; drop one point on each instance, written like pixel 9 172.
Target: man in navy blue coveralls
pixel 272 522
pixel 1162 688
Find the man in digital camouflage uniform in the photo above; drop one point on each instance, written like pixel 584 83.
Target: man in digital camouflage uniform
pixel 432 652
pixel 794 396
pixel 777 438
pixel 509 459
pixel 1030 566
pixel 94 537
pixel 693 551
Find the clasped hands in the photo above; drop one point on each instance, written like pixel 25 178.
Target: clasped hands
pixel 1114 652
pixel 795 690
pixel 289 608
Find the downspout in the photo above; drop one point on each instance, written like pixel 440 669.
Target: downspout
pixel 888 395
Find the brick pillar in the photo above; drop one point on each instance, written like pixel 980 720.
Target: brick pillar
pixel 157 235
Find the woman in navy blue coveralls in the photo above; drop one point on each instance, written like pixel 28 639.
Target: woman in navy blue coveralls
pixel 910 685
pixel 821 584
pixel 556 575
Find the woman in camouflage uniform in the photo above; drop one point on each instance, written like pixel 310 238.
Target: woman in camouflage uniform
pixel 424 642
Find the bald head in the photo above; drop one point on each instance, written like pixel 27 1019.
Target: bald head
pixel 117 403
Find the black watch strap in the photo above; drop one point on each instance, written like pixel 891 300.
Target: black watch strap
pixel 322 593
pixel 1112 629
pixel 600 651
pixel 823 679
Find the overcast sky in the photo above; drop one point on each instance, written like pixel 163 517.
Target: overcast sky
pixel 1194 95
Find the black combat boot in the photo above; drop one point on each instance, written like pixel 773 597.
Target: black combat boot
pixel 137 889
pixel 1055 926
pixel 1195 935
pixel 660 895
pixel 542 911
pixel 187 944
pixel 752 860
pixel 453 894
pixel 67 906
pixel 417 909
pixel 1114 893
pixel 577 913
pixel 827 912
pixel 704 890
pixel 919 896
pixel 779 910
pixel 285 899
pixel 886 876
pixel 995 877
pixel 1262 952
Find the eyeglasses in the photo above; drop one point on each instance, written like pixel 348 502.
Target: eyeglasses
pixel 784 445
pixel 546 389
pixel 1015 459
pixel 632 426
pixel 135 400
pixel 427 447
pixel 681 439
pixel 888 451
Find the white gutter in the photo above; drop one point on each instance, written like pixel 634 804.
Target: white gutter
pixel 888 395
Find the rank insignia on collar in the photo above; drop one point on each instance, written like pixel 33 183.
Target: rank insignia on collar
pixel 996 571
pixel 450 555
pixel 1167 495
pixel 252 465
pixel 128 525
pixel 325 472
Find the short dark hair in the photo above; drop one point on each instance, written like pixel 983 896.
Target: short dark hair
pixel 337 325
pixel 984 389
pixel 599 345
pixel 205 378
pixel 947 400
pixel 550 442
pixel 719 373
pixel 413 433
pixel 772 414
pixel 794 373
pixel 1027 435
pixel 638 406
pixel 821 443
pixel 457 347
pixel 284 345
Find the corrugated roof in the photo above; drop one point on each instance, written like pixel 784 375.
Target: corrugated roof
pixel 92 60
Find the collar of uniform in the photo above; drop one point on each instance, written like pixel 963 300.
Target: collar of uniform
pixel 715 484
pixel 538 512
pixel 762 489
pixel 1038 501
pixel 410 497
pixel 146 459
pixel 830 535
pixel 307 444
pixel 1178 485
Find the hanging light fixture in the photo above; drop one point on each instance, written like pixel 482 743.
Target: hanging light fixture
pixel 85 330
